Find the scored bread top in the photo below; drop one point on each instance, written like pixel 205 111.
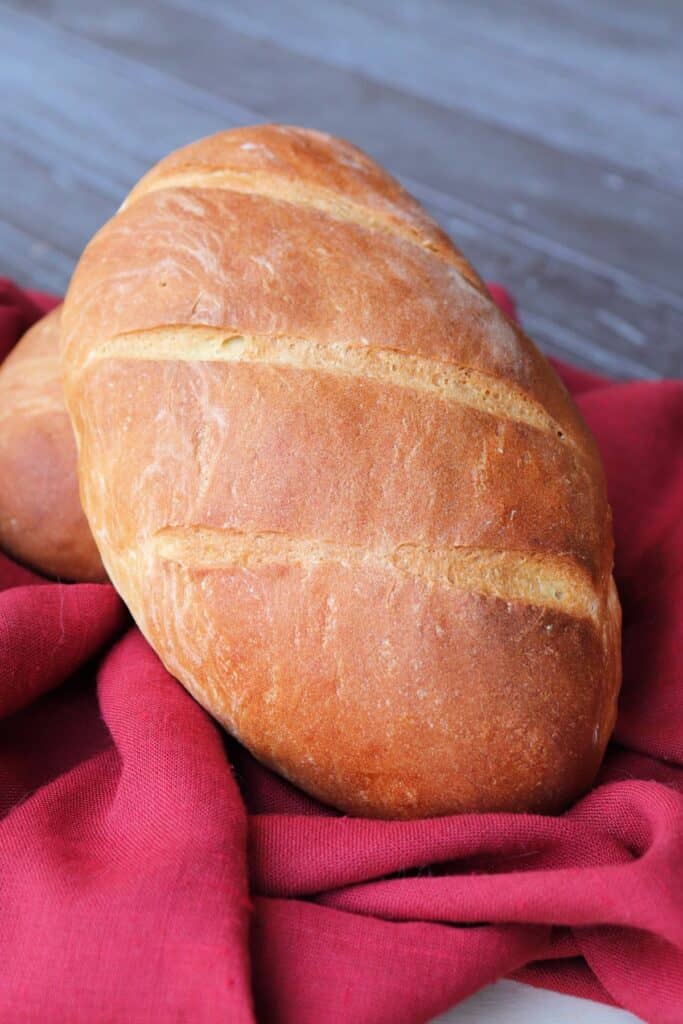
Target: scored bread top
pixel 309 169
pixel 277 364
pixel 292 285
pixel 344 275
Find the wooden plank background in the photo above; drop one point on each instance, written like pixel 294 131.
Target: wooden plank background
pixel 545 135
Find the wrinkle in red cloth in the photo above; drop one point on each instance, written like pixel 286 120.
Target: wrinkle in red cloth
pixel 152 870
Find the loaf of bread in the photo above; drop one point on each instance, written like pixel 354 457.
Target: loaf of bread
pixel 41 519
pixel 347 501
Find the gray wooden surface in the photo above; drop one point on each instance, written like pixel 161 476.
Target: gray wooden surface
pixel 545 135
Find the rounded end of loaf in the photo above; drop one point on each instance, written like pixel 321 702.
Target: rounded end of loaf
pixel 306 167
pixel 42 524
pixel 381 692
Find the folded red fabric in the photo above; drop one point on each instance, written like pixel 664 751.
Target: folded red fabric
pixel 152 870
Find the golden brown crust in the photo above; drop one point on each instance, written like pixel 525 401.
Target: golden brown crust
pixel 304 167
pixel 41 520
pixel 354 692
pixel 292 271
pixel 424 471
pixel 348 502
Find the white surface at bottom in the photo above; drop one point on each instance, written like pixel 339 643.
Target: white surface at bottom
pixel 509 1002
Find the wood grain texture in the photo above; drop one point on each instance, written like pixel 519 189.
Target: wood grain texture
pixel 439 58
pixel 542 139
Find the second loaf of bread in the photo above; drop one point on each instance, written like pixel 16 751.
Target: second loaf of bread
pixel 348 503
pixel 41 519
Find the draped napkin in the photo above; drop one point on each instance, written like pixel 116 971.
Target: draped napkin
pixel 151 870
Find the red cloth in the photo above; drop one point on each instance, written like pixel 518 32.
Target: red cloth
pixel 151 870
